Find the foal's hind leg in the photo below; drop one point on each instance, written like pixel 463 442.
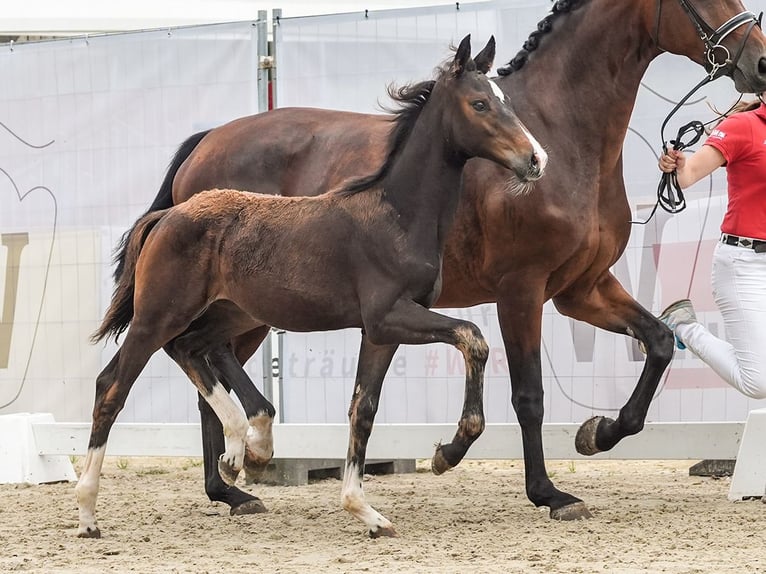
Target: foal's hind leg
pixel 221 322
pixel 259 447
pixel 112 387
pixel 234 423
pixel 373 364
pixel 610 307
pixel 409 323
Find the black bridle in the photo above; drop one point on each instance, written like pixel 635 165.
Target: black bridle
pixel 670 196
pixel 712 38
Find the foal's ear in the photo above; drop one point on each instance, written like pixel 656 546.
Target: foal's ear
pixel 486 57
pixel 462 57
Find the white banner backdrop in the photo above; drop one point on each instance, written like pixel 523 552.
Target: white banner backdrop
pixel 87 128
pixel 344 62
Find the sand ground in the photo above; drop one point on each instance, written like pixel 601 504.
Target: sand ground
pixel 648 516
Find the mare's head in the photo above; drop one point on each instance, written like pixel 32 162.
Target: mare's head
pixel 478 118
pixel 719 34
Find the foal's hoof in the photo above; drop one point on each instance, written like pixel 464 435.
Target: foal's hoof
pixel 387 531
pixel 89 532
pixel 439 464
pixel 585 440
pixel 574 511
pixel 254 506
pixel 227 472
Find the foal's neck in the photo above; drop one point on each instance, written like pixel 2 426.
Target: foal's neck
pixel 423 184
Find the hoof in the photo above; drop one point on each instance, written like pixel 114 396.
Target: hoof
pixel 227 472
pixel 94 532
pixel 585 440
pixel 439 464
pixel 254 506
pixel 253 473
pixel 574 511
pixel 387 531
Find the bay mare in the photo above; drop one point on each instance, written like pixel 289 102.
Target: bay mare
pixel 574 85
pixel 368 255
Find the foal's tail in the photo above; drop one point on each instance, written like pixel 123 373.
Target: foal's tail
pixel 163 200
pixel 120 312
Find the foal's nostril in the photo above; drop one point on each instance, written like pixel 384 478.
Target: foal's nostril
pixel 762 66
pixel 534 165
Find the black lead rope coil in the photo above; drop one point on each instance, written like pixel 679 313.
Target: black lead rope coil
pixel 670 196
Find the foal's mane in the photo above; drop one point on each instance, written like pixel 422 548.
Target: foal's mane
pixel 543 27
pixel 411 99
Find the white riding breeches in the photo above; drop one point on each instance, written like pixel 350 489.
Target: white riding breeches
pixel 739 290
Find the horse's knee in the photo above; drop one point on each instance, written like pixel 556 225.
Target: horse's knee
pixel 528 407
pixel 471 342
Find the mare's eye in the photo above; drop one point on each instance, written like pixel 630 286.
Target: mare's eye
pixel 479 106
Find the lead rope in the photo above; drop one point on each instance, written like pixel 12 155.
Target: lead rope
pixel 670 196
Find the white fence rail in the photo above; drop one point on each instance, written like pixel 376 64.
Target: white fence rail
pixel 692 441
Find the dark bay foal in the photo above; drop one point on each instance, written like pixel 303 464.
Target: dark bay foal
pixel 368 255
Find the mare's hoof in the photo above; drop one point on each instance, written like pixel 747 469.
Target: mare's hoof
pixel 585 440
pixel 439 464
pixel 253 473
pixel 254 506
pixel 574 511
pixel 89 532
pixel 227 472
pixel 387 531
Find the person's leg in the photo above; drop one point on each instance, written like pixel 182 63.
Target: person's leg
pixel 739 289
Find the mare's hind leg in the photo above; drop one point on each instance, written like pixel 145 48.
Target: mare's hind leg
pixel 610 307
pixel 409 323
pixel 373 363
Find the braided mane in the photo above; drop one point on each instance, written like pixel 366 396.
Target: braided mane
pixel 543 27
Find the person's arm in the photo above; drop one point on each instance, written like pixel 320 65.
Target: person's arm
pixel 693 168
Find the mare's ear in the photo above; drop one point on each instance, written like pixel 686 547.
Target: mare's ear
pixel 462 57
pixel 486 57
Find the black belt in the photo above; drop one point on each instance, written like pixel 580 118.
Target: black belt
pixel 757 245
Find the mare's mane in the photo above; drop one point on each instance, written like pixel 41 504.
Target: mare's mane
pixel 410 100
pixel 543 27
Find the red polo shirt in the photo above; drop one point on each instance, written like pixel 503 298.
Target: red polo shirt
pixel 741 139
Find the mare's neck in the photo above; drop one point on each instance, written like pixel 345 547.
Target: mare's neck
pixel 584 77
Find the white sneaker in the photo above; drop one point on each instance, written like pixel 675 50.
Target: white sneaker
pixel 679 313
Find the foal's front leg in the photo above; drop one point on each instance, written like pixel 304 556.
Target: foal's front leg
pixel 409 323
pixel 373 363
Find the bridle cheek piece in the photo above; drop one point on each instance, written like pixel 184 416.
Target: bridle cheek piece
pixel 718 60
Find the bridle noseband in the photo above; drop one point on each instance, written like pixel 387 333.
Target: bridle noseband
pixel 713 38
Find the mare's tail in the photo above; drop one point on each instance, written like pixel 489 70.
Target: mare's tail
pixel 163 200
pixel 120 312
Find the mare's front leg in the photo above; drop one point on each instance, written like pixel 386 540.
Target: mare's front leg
pixel 608 306
pixel 520 318
pixel 374 361
pixel 409 323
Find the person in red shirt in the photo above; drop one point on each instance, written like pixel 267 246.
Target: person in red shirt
pixel 739 260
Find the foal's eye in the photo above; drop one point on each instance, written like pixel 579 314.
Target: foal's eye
pixel 479 106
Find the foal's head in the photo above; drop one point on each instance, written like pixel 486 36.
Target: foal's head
pixel 478 117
